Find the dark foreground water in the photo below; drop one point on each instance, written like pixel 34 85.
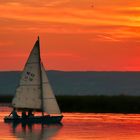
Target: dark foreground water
pixel 76 126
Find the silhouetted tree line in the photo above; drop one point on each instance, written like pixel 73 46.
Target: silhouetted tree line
pixel 97 104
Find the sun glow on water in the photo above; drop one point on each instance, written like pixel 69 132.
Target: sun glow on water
pixel 76 126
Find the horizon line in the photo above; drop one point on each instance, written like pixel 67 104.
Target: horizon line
pixel 77 70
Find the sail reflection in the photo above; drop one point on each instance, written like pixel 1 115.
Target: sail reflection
pixel 35 131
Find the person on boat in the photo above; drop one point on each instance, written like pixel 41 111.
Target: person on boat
pixel 30 114
pixel 24 115
pixel 14 113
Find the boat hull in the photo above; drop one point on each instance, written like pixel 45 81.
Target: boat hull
pixel 35 119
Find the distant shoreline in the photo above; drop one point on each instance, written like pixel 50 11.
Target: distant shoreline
pixel 80 83
pixel 94 104
pixel 74 71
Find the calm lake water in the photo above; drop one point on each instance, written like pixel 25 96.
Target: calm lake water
pixel 76 126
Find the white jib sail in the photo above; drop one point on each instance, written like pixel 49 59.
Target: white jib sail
pixel 28 93
pixel 49 101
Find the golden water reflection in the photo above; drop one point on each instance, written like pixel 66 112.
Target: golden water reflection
pixel 76 126
pixel 35 132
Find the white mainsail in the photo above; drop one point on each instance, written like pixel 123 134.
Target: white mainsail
pixel 34 90
pixel 49 101
pixel 28 93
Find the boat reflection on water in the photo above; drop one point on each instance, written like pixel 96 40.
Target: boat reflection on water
pixel 35 131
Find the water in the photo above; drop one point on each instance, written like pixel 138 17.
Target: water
pixel 76 126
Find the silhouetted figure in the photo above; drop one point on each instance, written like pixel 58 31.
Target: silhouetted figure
pixel 24 115
pixel 14 113
pixel 30 114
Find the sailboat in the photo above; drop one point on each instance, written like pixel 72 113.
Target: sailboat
pixel 34 93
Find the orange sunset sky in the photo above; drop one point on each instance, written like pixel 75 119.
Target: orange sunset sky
pixel 75 35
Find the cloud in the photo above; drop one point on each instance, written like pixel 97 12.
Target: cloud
pixel 34 3
pixel 74 25
pixel 67 15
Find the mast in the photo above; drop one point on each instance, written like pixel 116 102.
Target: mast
pixel 40 72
